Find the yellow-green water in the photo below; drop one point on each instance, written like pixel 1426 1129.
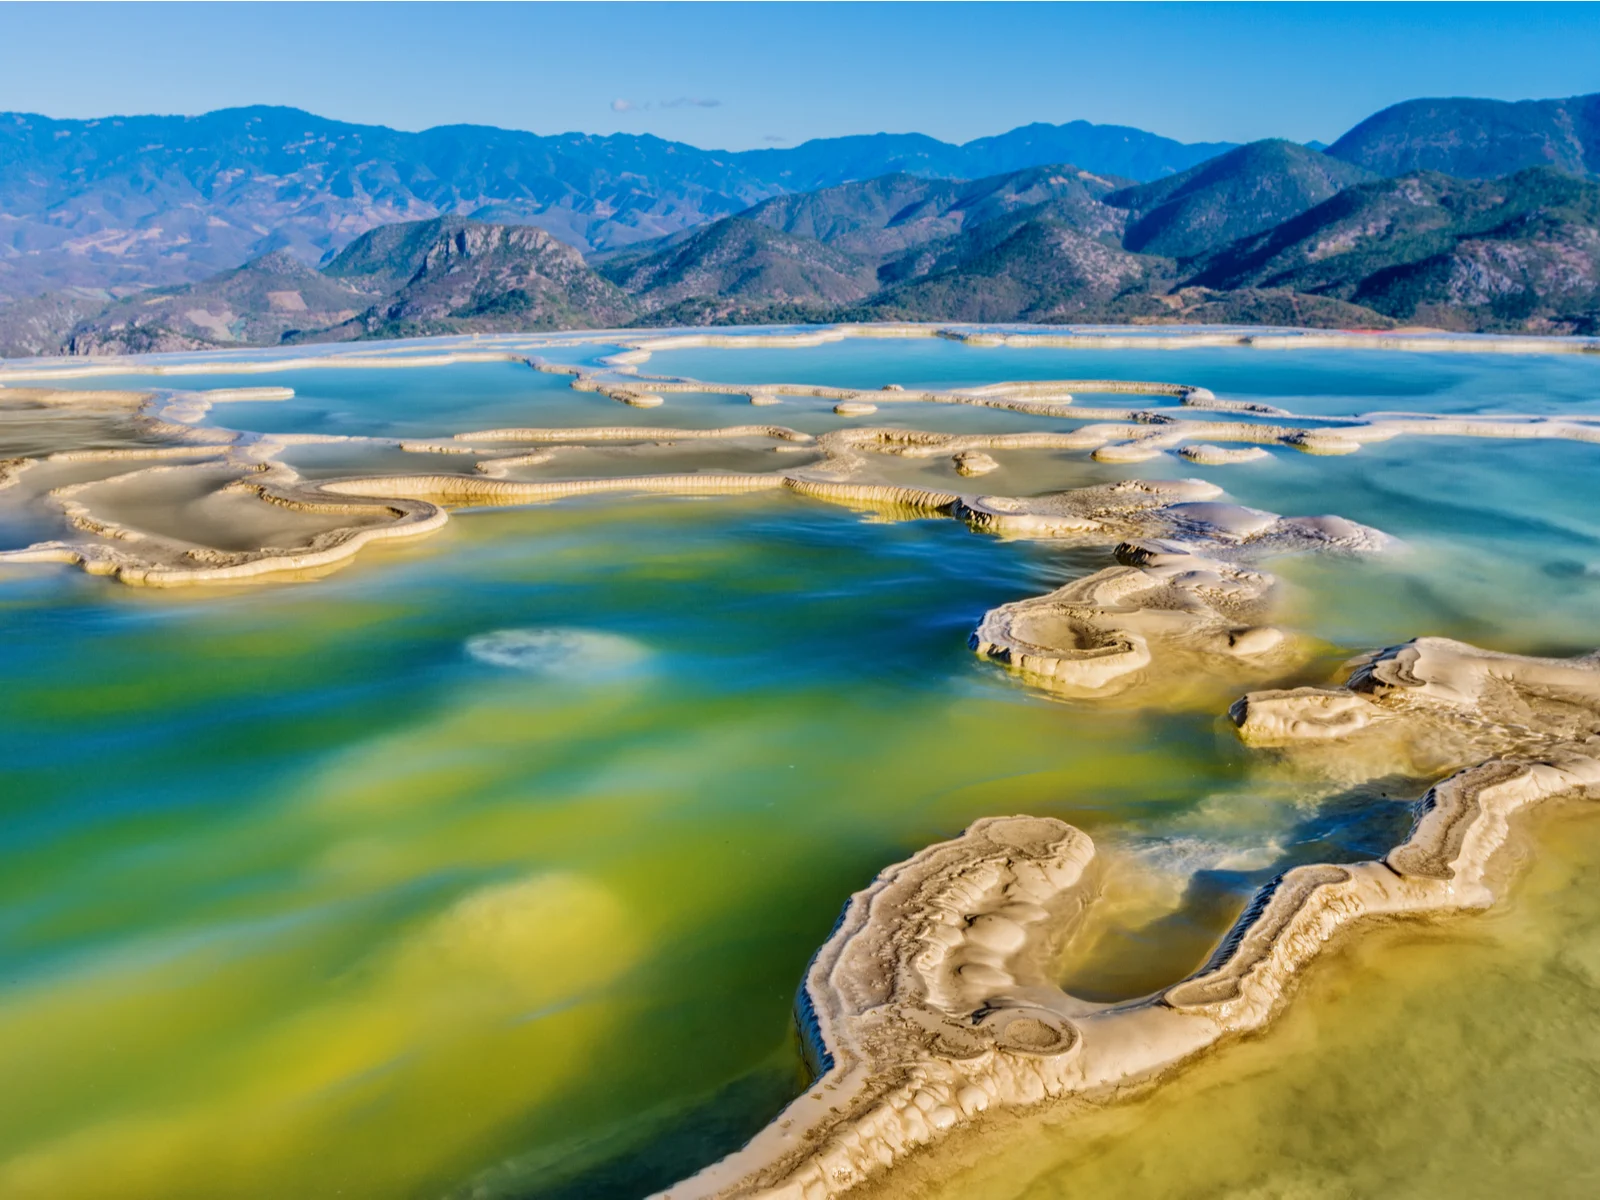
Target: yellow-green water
pixel 301 897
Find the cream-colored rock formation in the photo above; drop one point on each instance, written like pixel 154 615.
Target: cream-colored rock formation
pixel 1220 456
pixel 1194 604
pixel 933 1002
pixel 973 462
pixel 1167 610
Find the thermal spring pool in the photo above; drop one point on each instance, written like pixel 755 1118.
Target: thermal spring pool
pixel 434 770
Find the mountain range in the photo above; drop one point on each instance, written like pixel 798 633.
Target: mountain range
pixel 131 202
pixel 1477 139
pixel 1465 214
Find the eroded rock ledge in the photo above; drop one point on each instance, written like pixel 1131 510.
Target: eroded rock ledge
pixel 932 1002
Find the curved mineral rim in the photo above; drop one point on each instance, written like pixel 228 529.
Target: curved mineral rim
pixel 637 350
pixel 415 504
pixel 1178 599
pixel 1095 635
pixel 135 557
pixel 1120 435
pixel 1432 686
pixel 931 1002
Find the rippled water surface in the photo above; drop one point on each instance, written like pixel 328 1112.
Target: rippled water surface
pixel 488 865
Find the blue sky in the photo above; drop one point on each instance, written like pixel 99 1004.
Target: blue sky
pixel 742 75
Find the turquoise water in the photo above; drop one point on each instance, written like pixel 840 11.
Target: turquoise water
pixel 1312 382
pixel 310 890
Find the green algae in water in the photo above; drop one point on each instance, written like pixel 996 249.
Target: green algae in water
pixel 343 885
pixel 300 896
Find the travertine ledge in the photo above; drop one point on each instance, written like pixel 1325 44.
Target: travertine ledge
pixel 1180 605
pixel 931 1003
pixel 838 470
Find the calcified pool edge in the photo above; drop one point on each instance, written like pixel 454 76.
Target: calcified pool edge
pixel 931 1003
pixel 411 505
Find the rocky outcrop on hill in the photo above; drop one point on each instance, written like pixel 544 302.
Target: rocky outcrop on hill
pixel 469 277
pixel 40 324
pixel 414 279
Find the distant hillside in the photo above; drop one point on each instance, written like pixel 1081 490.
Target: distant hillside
pixel 793 257
pixel 134 202
pixel 1031 266
pixel 1514 253
pixel 123 204
pixel 1271 232
pixel 876 220
pixel 1232 196
pixel 1102 149
pixel 1266 306
pixel 152 200
pixel 415 279
pixel 256 304
pixel 881 218
pixel 1041 271
pixel 385 259
pixel 1477 139
pixel 40 324
pixel 742 260
pixel 470 277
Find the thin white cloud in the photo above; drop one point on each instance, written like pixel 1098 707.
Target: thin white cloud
pixel 621 105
